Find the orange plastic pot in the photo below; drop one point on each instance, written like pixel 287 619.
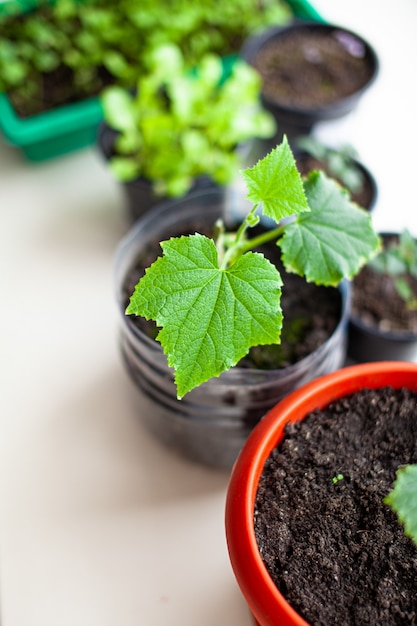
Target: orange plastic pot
pixel 268 606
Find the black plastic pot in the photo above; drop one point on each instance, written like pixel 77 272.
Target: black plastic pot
pixel 298 116
pixel 212 422
pixel 369 342
pixel 139 194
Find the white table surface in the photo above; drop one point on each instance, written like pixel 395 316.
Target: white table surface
pixel 100 525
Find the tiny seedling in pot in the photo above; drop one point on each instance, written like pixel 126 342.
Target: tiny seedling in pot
pixel 215 298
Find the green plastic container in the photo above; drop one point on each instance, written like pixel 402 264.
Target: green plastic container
pixel 52 133
pixel 74 126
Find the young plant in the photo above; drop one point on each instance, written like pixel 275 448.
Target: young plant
pixel 399 260
pixel 182 124
pixel 214 299
pixel 340 162
pixel 402 499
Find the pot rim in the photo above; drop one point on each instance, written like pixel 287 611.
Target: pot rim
pixel 267 604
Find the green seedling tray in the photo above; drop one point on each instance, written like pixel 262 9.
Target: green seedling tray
pixel 54 132
pixel 73 126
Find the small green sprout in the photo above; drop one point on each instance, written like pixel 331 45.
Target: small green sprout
pixel 337 478
pixel 213 300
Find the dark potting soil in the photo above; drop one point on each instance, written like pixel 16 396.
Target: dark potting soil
pixel 335 551
pixel 307 70
pixel 363 196
pixel 311 312
pixel 57 88
pixel 377 303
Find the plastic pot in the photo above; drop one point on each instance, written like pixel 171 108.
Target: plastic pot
pixel 366 197
pixel 52 133
pixel 212 422
pixel 268 606
pixel 297 115
pixel 369 342
pixel 139 194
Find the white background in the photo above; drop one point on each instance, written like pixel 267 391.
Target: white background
pixel 100 525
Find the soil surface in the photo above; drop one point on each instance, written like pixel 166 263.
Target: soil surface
pixel 336 552
pixel 364 196
pixel 308 69
pixel 376 302
pixel 305 327
pixel 55 89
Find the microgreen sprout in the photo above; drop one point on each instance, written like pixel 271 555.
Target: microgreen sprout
pixel 337 478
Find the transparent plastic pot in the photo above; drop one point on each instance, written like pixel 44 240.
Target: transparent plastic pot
pixel 211 423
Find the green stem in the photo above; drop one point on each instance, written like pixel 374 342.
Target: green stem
pixel 269 235
pixel 240 247
pixel 233 251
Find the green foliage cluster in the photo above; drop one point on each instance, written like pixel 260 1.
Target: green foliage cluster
pixel 90 43
pixel 215 298
pixel 340 161
pixel 182 124
pixel 398 259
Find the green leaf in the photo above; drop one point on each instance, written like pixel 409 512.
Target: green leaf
pixel 209 317
pixel 404 289
pixel 403 499
pixel 407 248
pixel 210 70
pixel 124 169
pixel 46 61
pixel 331 242
pixel 14 72
pixel 166 61
pixel 276 183
pixel 118 109
pixel 115 63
